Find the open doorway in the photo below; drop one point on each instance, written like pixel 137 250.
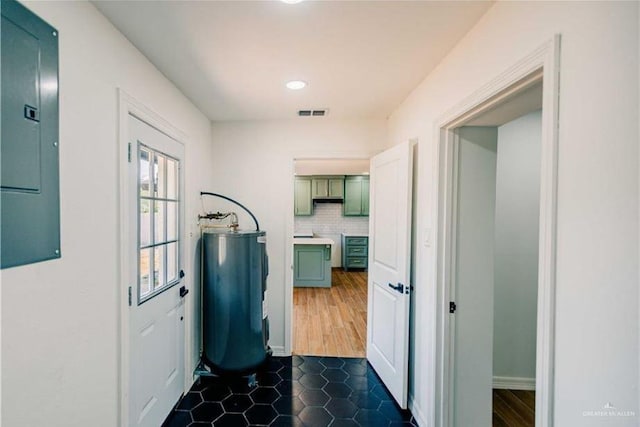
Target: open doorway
pixel 496 272
pixel 496 247
pixel 330 257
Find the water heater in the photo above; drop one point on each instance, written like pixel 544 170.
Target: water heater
pixel 235 325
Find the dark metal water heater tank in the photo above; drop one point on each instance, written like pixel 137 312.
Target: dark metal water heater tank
pixel 235 326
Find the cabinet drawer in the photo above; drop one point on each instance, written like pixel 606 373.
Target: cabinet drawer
pixel 356 262
pixel 356 251
pixel 357 241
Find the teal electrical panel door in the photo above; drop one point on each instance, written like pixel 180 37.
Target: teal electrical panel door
pixel 29 176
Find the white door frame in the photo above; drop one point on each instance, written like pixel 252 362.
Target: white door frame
pixel 127 105
pixel 545 61
pixel 289 229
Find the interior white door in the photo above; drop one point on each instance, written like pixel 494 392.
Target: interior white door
pixel 472 322
pixel 156 317
pixel 389 268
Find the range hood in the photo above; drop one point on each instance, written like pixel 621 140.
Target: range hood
pixel 327 200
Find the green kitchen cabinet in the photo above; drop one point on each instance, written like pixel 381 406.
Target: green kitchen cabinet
pixel 303 204
pixel 355 251
pixel 312 266
pixel 365 197
pixel 356 196
pixel 327 187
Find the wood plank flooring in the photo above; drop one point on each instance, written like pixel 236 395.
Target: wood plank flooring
pixel 514 408
pixel 332 321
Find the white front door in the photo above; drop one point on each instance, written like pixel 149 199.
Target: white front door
pixel 473 283
pixel 389 268
pixel 156 318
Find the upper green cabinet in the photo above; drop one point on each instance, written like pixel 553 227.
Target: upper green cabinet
pixel 356 196
pixel 327 187
pixel 303 204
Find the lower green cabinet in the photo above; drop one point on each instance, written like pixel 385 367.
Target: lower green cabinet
pixel 355 252
pixel 312 266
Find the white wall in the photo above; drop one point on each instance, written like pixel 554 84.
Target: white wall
pixel 516 247
pixel 60 331
pixel 597 247
pixel 254 165
pixel 474 275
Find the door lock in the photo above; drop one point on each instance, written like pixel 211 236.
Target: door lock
pixel 183 291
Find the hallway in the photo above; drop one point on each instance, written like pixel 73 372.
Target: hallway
pixel 294 391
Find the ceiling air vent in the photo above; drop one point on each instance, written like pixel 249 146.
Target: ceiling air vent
pixel 314 113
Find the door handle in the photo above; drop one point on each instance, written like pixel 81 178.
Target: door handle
pixel 399 287
pixel 183 291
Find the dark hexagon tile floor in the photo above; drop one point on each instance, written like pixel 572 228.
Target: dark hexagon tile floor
pixel 303 391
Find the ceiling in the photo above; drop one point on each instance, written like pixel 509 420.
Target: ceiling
pixel 232 58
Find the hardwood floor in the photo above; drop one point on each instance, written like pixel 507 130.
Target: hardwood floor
pixel 514 408
pixel 332 321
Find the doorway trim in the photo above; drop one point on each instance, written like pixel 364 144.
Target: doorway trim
pixel 542 63
pixel 289 230
pixel 128 105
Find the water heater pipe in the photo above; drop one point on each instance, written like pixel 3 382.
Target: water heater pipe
pixel 206 193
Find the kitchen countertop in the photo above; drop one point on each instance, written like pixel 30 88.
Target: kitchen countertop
pixel 355 234
pixel 304 234
pixel 312 241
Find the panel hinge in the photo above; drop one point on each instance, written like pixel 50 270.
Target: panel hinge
pixel 130 297
pixel 452 307
pixel 129 157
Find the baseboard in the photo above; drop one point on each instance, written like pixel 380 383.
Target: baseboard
pixel 417 413
pixel 514 383
pixel 278 351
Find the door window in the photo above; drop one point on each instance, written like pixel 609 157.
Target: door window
pixel 158 219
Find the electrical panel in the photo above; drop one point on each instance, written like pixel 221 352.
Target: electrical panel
pixel 29 145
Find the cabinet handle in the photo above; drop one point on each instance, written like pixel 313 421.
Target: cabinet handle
pixel 327 253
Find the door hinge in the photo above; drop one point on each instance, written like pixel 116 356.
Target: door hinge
pixel 129 157
pixel 452 307
pixel 130 298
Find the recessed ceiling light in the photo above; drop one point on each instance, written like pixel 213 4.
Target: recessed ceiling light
pixel 291 1
pixel 296 84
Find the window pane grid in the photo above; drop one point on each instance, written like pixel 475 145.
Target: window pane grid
pixel 158 212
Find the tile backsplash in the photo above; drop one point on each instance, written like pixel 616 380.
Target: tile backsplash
pixel 327 221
